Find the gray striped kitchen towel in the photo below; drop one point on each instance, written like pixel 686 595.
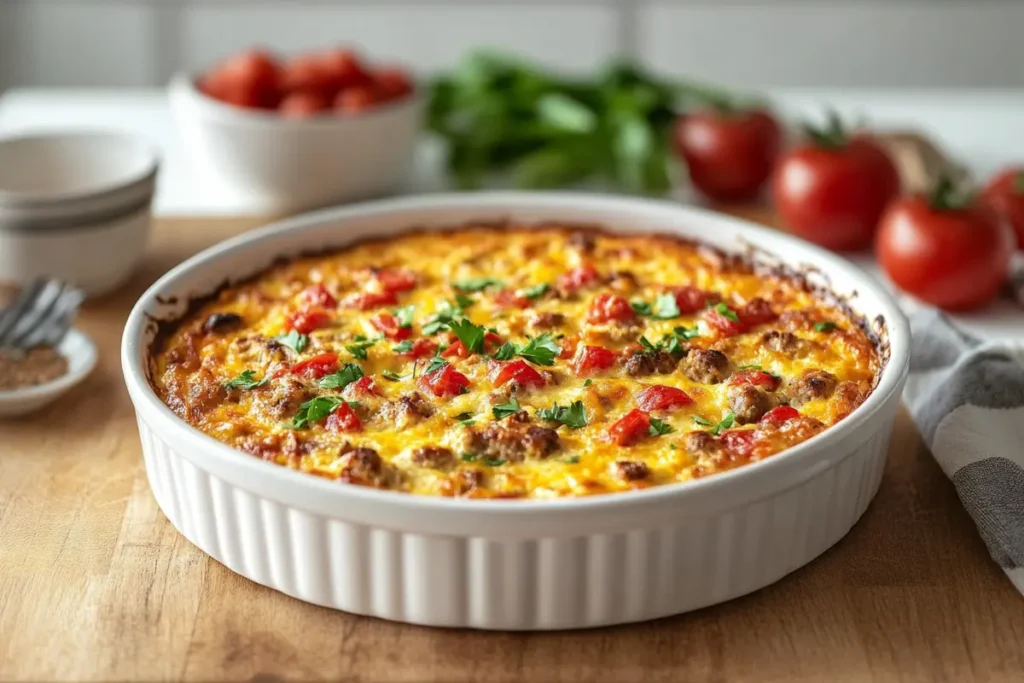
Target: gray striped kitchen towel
pixel 967 397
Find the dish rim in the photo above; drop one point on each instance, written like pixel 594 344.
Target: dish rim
pixel 161 417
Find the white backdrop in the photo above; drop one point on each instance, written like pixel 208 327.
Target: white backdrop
pixel 938 43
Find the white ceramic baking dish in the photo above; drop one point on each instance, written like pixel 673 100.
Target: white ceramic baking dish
pixel 495 564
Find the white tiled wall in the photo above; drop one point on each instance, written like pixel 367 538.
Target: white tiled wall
pixel 745 42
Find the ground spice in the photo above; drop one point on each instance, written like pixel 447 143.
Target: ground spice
pixel 20 369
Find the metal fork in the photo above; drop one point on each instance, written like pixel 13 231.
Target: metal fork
pixel 40 315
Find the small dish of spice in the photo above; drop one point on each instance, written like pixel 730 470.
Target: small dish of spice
pixel 33 378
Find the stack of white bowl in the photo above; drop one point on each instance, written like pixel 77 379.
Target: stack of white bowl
pixel 75 206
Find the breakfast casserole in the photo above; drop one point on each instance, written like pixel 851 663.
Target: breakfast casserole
pixel 513 362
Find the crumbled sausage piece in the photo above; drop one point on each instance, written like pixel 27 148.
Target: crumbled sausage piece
pixel 546 320
pixel 707 366
pixel 847 396
pixel 630 470
pixel 406 410
pixel 643 363
pixel 282 397
pixel 811 385
pixel 780 342
pixel 221 323
pixel 436 457
pixel 749 403
pixel 467 481
pixel 362 466
pixel 185 354
pixel 204 394
pixel 702 443
pixel 583 241
pixel 512 440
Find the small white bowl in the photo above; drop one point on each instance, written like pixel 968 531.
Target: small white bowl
pixel 75 206
pixel 283 165
pixel 81 354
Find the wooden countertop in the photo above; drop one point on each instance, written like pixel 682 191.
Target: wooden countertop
pixel 96 584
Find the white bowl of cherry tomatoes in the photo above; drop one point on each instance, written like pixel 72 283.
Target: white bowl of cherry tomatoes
pixel 293 134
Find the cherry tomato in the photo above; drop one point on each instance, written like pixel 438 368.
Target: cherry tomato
pixel 755 312
pixel 607 307
pixel 833 190
pixel 343 68
pixel 661 397
pixel 396 280
pixel 317 366
pixel 509 298
pixel 421 348
pixel 365 301
pixel 730 154
pixel 355 100
pixel 779 416
pixel 364 386
pixel 1005 195
pixel 250 78
pixel 305 322
pixel 446 381
pixel 630 428
pixel 343 419
pixel 387 324
pixel 518 371
pixel 320 296
pixel 690 299
pixel 305 73
pixel 723 323
pixel 944 250
pixel 302 105
pixel 758 378
pixel 392 83
pixel 593 359
pixel 739 442
pixel 582 276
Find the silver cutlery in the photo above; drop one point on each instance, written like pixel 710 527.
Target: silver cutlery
pixel 40 315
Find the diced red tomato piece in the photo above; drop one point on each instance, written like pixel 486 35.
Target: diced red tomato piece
pixel 579 277
pixel 320 296
pixel 421 348
pixel 756 312
pixel 392 82
pixel 317 366
pixel 364 386
pixel 607 307
pixel 458 350
pixel 305 322
pixel 569 346
pixel 343 419
pixel 630 428
pixel 396 280
pixel 758 378
pixel 364 301
pixel 593 359
pixel 779 416
pixel 690 299
pixel 739 442
pixel 721 323
pixel 509 298
pixel 446 381
pixel 661 397
pixel 387 324
pixel 303 104
pixel 518 371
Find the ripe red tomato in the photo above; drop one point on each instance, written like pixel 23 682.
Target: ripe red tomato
pixel 509 298
pixel 343 68
pixel 689 299
pixel 396 280
pixel 579 277
pixel 518 371
pixel 758 378
pixel 320 296
pixel 630 428
pixel 317 366
pixel 593 359
pixel 739 442
pixel 780 415
pixel 726 322
pixel 248 79
pixel 756 312
pixel 421 348
pixel 364 301
pixel 446 381
pixel 730 154
pixel 833 190
pixel 305 322
pixel 364 386
pixel 660 397
pixel 302 105
pixel 305 73
pixel 343 419
pixel 607 307
pixel 355 100
pixel 387 324
pixel 1005 195
pixel 952 254
pixel 392 83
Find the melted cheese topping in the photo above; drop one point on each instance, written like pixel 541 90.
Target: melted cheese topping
pixel 522 284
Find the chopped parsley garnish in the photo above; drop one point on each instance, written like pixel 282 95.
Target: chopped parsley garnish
pixel 686 333
pixel 704 422
pixel 588 382
pixel 245 381
pixel 571 460
pixel 392 375
pixel 314 410
pixel 471 336
pixel 503 410
pixel 724 424
pixel 574 415
pixel 536 291
pixel 403 346
pixel 658 427
pixel 640 307
pixel 465 419
pixel 827 326
pixel 476 284
pixel 464 301
pixel 348 373
pixel 468 457
pixel 723 309
pixel 506 352
pixel 494 462
pixel 293 340
pixel 359 345
pixel 541 350
pixel 446 313
pixel 404 315
pixel 669 343
pixel 436 363
pixel 751 366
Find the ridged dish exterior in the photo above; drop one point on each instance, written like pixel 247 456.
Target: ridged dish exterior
pixel 518 584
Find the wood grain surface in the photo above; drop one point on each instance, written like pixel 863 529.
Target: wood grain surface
pixel 95 584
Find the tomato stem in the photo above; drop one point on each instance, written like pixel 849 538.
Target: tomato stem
pixel 830 136
pixel 947 196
